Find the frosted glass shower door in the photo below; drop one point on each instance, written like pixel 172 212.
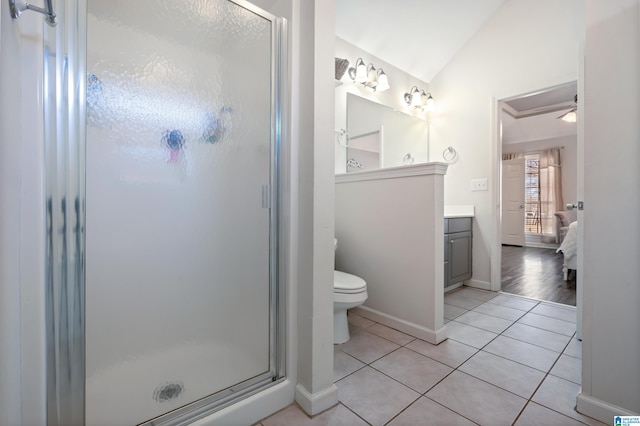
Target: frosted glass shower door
pixel 179 156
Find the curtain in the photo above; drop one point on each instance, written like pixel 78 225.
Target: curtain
pixel 550 188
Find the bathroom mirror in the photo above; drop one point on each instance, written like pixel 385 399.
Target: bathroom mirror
pixel 363 152
pixel 377 129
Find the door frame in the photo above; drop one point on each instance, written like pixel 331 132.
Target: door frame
pixel 496 195
pixel 496 188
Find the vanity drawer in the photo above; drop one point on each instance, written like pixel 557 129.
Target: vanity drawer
pixel 457 224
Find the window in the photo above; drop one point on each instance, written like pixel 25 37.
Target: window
pixel 532 222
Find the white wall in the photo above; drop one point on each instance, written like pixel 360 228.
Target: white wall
pixel 611 318
pixel 389 226
pixel 526 46
pixel 569 156
pixel 314 100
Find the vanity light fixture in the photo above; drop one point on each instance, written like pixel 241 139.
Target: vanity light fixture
pixel 417 98
pixel 368 76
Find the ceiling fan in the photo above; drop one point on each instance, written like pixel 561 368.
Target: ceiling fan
pixel 571 116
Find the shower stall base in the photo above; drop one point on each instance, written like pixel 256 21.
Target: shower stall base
pixel 130 398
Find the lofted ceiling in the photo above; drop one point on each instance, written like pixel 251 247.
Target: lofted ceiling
pixel 422 36
pixel 417 36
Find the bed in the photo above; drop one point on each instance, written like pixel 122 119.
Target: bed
pixel 569 248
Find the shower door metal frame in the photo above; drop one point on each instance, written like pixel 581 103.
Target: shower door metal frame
pixel 65 138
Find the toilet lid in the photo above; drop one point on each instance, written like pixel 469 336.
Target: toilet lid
pixel 347 283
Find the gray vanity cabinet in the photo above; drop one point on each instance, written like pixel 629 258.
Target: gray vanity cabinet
pixel 457 250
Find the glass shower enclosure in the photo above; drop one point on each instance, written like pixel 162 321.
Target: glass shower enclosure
pixel 163 147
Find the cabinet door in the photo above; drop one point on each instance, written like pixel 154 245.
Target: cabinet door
pixel 446 260
pixel 459 263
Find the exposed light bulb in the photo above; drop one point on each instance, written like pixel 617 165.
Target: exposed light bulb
pixel 361 71
pixel 383 81
pixel 429 104
pixel 416 98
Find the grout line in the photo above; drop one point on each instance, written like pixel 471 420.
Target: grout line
pixel 449 408
pixel 525 365
pixel 550 317
pixel 529 399
pixel 433 359
pixel 477 328
pixel 356 414
pixel 523 408
pixel 495 316
pixel 558 305
pixel 534 344
pixel 476 351
pixel 540 385
pixel 404 409
pixel 550 331
pixel 514 338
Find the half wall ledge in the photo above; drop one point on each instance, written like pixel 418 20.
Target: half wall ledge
pixel 435 168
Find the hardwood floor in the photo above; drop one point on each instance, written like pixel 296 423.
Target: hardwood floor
pixel 536 273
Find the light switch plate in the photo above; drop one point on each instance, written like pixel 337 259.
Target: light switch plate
pixel 479 185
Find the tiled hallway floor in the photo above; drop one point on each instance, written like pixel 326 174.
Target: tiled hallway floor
pixel 508 360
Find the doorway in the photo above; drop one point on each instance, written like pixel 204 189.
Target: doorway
pixel 538 170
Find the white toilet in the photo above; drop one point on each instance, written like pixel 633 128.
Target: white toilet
pixel 349 291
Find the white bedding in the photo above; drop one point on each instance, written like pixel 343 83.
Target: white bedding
pixel 569 245
pixel 569 249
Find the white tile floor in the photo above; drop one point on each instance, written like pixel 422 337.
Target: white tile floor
pixel 508 360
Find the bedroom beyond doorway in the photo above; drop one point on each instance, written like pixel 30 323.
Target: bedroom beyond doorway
pixel 537 273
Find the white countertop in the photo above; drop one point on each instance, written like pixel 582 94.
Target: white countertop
pixel 459 211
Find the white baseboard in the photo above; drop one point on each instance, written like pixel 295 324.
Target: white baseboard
pixel 484 285
pixel 452 287
pixel 316 403
pixel 600 410
pixel 421 332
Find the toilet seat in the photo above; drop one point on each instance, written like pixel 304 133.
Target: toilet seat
pixel 348 284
